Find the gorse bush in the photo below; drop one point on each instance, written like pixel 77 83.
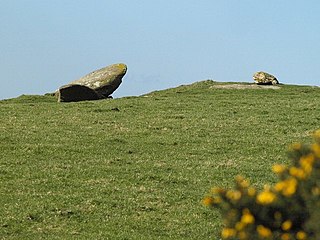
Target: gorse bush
pixel 290 209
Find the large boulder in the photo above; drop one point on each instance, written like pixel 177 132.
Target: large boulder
pixel 264 78
pixel 99 84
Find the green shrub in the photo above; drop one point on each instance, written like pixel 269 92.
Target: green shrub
pixel 290 209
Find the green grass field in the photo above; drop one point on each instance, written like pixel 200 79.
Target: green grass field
pixel 138 167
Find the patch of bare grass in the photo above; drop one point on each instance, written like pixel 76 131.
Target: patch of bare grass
pixel 244 86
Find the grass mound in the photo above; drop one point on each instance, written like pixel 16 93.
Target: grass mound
pixel 138 167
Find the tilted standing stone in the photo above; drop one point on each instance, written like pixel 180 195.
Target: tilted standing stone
pixel 265 78
pixel 99 84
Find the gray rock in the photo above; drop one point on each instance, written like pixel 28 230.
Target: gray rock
pixel 264 78
pixel 76 93
pixel 99 84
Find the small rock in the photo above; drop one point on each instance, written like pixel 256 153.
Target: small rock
pixel 264 78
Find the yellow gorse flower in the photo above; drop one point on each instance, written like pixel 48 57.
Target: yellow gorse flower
pixel 242 235
pixel 285 236
pixel 287 187
pixel 228 232
pixel 244 183
pixel 301 235
pixel 233 195
pixel 291 187
pixel 251 191
pixel 316 135
pixel 286 225
pixel 298 173
pixel 306 163
pixel 207 201
pixel 240 225
pixel 266 197
pixel 247 217
pixel 316 149
pixel 278 168
pixel 263 231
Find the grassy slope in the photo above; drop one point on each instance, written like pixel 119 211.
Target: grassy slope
pixel 138 167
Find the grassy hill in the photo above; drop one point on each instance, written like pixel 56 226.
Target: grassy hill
pixel 138 167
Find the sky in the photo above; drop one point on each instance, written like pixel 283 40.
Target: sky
pixel 45 44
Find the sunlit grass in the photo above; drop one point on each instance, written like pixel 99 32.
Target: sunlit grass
pixel 138 167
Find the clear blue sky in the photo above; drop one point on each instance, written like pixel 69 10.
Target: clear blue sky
pixel 165 43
